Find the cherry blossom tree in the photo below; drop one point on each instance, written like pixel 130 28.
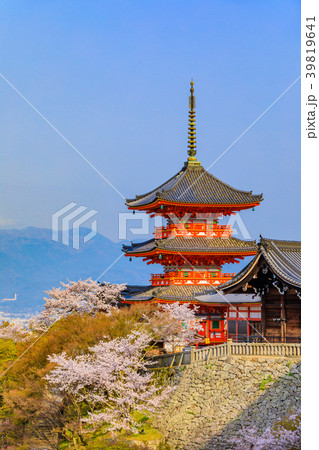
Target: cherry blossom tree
pixel 176 324
pixel 78 297
pixel 112 378
pixel 16 330
pixel 285 435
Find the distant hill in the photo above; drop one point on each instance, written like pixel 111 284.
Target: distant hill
pixel 31 263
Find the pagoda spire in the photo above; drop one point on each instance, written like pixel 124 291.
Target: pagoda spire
pixel 192 125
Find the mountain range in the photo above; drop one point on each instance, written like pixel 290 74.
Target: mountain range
pixel 31 263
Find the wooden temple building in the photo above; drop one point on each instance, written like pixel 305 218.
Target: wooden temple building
pixel 193 247
pixel 263 301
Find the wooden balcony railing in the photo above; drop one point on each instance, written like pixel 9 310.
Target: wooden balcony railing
pixel 193 229
pixel 206 354
pixel 191 277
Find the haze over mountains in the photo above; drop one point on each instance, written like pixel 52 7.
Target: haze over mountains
pixel 31 263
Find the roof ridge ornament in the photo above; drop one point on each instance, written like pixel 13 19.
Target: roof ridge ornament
pixel 192 160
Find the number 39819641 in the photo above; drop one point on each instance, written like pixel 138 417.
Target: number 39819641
pixel 311 48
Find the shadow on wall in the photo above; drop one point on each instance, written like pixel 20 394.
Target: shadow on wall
pixel 213 402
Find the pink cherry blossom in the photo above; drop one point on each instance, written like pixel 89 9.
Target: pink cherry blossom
pixel 275 438
pixel 176 324
pixel 15 330
pixel 112 378
pixel 78 297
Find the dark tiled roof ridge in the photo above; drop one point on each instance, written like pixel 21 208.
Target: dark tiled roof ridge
pixel 281 262
pixel 189 238
pixel 229 186
pixel 290 262
pixel 137 244
pixel 178 182
pixel 283 272
pixel 264 240
pixel 200 168
pixel 190 180
pixel 193 244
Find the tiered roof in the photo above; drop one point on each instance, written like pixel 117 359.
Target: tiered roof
pixel 283 258
pixel 191 190
pixel 181 244
pixel 193 185
pixel 164 293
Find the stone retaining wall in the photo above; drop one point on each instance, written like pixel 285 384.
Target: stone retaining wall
pixel 213 401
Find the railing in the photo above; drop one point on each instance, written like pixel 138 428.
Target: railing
pixel 206 354
pixel 196 277
pixel 274 339
pixel 193 229
pixel 265 349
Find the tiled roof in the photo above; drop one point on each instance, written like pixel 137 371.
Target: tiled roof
pixel 186 294
pixel 282 257
pixel 251 268
pixel 228 299
pixel 180 293
pixel 193 184
pixel 172 292
pixel 194 244
pixel 139 293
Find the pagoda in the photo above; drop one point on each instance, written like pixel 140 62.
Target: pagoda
pixel 192 247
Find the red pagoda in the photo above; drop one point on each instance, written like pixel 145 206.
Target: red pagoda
pixel 193 246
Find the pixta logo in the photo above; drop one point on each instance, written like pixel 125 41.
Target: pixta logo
pixel 71 217
pixel 139 224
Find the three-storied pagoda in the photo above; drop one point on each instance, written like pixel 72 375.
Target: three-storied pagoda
pixel 193 246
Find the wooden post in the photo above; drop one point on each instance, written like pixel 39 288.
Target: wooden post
pixel 173 360
pixel 263 317
pixel 283 318
pixel 192 355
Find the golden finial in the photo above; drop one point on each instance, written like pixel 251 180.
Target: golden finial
pixel 192 125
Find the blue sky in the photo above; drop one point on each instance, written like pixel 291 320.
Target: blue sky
pixel 113 78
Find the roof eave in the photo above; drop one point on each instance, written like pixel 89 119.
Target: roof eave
pixel 230 286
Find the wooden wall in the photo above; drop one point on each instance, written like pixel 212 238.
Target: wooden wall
pixel 277 306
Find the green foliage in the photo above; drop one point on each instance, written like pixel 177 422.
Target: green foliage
pixel 100 443
pixel 164 375
pixel 8 351
pixel 163 446
pixel 264 382
pixel 288 424
pixel 288 363
pixel 147 434
pixel 99 440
